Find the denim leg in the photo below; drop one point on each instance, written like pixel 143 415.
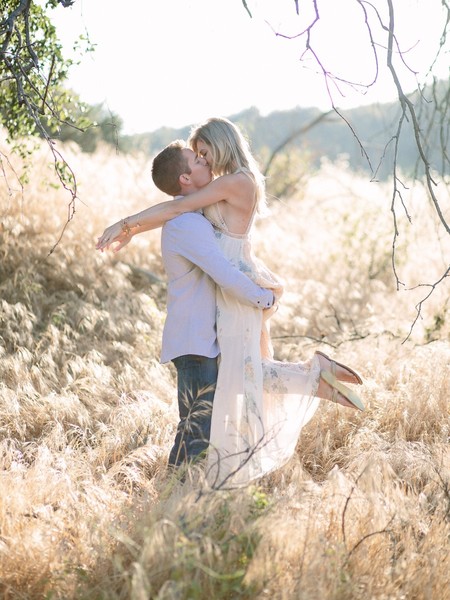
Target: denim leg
pixel 197 378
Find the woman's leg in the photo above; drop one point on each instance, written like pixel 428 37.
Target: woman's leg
pixel 302 378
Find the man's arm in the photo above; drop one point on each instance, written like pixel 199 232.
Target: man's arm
pixel 192 236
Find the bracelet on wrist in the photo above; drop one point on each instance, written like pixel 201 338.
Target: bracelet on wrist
pixel 126 227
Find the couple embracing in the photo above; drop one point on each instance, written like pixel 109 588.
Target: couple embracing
pixel 238 406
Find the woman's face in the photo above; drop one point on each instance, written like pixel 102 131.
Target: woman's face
pixel 204 150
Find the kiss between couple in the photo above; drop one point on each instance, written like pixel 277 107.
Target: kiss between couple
pixel 237 405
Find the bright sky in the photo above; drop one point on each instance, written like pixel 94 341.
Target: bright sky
pixel 176 62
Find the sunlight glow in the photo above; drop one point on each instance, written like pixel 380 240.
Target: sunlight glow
pixel 176 63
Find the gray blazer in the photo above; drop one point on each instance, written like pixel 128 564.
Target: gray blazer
pixel 194 263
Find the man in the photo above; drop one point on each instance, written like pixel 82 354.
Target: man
pixel 194 265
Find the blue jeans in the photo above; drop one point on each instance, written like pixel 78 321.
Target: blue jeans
pixel 197 379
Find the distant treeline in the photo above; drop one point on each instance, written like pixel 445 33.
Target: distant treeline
pixel 364 135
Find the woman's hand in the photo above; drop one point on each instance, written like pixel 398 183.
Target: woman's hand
pixel 112 235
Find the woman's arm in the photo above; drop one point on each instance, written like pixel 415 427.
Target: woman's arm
pixel 227 188
pixel 151 218
pixel 155 216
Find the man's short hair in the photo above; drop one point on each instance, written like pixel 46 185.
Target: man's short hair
pixel 167 167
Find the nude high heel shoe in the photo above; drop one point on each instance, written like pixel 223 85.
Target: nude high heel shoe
pixel 343 390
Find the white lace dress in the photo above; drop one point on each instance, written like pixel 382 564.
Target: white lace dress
pixel 260 405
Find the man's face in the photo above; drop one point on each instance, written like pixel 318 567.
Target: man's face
pixel 200 172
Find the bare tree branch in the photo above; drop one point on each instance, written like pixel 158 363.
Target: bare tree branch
pixel 385 531
pixel 431 115
pixel 246 7
pixel 407 106
pixel 432 287
pixel 303 129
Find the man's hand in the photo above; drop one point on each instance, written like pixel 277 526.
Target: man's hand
pixel 268 312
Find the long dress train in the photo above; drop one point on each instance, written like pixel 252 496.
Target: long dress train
pixel 260 404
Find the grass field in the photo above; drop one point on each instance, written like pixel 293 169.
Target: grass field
pixel 87 413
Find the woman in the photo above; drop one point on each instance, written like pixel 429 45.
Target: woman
pixel 260 405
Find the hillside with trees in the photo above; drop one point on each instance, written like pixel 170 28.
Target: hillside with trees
pixel 308 132
pixel 330 137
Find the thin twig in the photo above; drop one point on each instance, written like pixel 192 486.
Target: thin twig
pixel 418 307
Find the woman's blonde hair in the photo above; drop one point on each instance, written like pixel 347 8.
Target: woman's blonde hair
pixel 230 153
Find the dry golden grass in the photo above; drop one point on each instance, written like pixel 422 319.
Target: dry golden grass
pixel 87 413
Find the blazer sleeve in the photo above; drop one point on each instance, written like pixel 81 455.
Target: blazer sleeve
pixel 192 236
